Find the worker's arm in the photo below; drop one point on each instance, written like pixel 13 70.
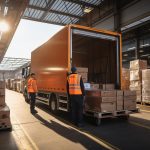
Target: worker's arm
pixel 82 87
pixel 34 85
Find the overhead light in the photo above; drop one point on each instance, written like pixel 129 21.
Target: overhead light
pixel 131 48
pixel 4 26
pixel 125 55
pixel 145 45
pixel 141 51
pixel 87 9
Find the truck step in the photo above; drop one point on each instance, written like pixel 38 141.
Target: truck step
pixel 63 109
pixel 63 101
pixel 42 99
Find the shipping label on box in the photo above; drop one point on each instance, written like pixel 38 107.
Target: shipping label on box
pixel 129 93
pixel 2 92
pixel 2 84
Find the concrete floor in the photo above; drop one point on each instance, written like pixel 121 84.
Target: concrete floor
pixel 45 131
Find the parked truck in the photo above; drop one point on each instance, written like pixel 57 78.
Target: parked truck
pixel 98 50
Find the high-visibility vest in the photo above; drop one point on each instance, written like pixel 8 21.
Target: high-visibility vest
pixel 32 87
pixel 74 84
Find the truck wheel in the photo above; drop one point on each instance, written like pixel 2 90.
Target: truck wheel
pixel 97 121
pixel 53 104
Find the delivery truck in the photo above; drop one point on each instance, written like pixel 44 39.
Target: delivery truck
pixel 98 50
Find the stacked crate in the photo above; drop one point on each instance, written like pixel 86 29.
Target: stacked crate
pixel 100 101
pixel 84 73
pixel 146 86
pixel 125 79
pixel 4 109
pixel 119 100
pixel 129 100
pixel 136 68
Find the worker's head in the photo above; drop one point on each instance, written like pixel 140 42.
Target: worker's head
pixel 73 69
pixel 32 74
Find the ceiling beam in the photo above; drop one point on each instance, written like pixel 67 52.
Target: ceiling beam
pixel 44 21
pixel 82 3
pixel 53 11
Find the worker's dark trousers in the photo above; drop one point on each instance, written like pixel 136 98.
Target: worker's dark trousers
pixel 32 101
pixel 76 109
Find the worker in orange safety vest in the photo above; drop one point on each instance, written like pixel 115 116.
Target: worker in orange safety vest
pixel 32 90
pixel 76 93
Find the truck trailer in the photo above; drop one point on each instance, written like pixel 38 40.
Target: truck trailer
pixel 98 50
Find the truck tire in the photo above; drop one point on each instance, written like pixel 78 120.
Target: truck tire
pixel 53 104
pixel 97 121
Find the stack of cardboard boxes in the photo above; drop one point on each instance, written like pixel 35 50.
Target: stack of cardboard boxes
pixel 136 68
pixel 84 73
pixel 125 79
pixel 4 109
pixel 146 86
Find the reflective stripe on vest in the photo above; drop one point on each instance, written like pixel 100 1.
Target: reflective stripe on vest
pixel 74 84
pixel 30 86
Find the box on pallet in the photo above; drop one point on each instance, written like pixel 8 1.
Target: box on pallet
pixel 146 84
pixel 107 86
pixel 5 123
pixel 94 86
pixel 2 92
pixel 108 99
pixel 108 107
pixel 129 105
pixel 125 79
pixel 4 112
pixel 138 64
pixel 135 75
pixel 2 84
pixel 129 93
pixel 146 74
pixel 2 100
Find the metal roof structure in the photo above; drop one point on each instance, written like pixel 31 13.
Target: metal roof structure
pixel 60 12
pixel 12 64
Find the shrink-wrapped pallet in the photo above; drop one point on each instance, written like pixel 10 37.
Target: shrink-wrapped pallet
pixel 107 86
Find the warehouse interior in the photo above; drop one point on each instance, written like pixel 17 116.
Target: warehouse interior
pixel 124 77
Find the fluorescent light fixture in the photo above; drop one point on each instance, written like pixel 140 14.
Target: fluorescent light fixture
pixel 4 26
pixel 87 9
pixel 141 51
pixel 131 48
pixel 125 55
pixel 145 45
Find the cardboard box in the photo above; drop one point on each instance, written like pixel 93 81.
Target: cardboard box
pixel 108 99
pixel 119 92
pixel 129 98
pixel 138 64
pixel 82 69
pixel 129 93
pixel 2 101
pixel 135 75
pixel 107 86
pixel 146 99
pixel 146 84
pixel 4 112
pixel 5 123
pixel 129 105
pixel 146 92
pixel 146 74
pixel 119 107
pixel 2 84
pixel 139 98
pixel 125 79
pixel 119 98
pixel 108 107
pixel 94 86
pixel 2 92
